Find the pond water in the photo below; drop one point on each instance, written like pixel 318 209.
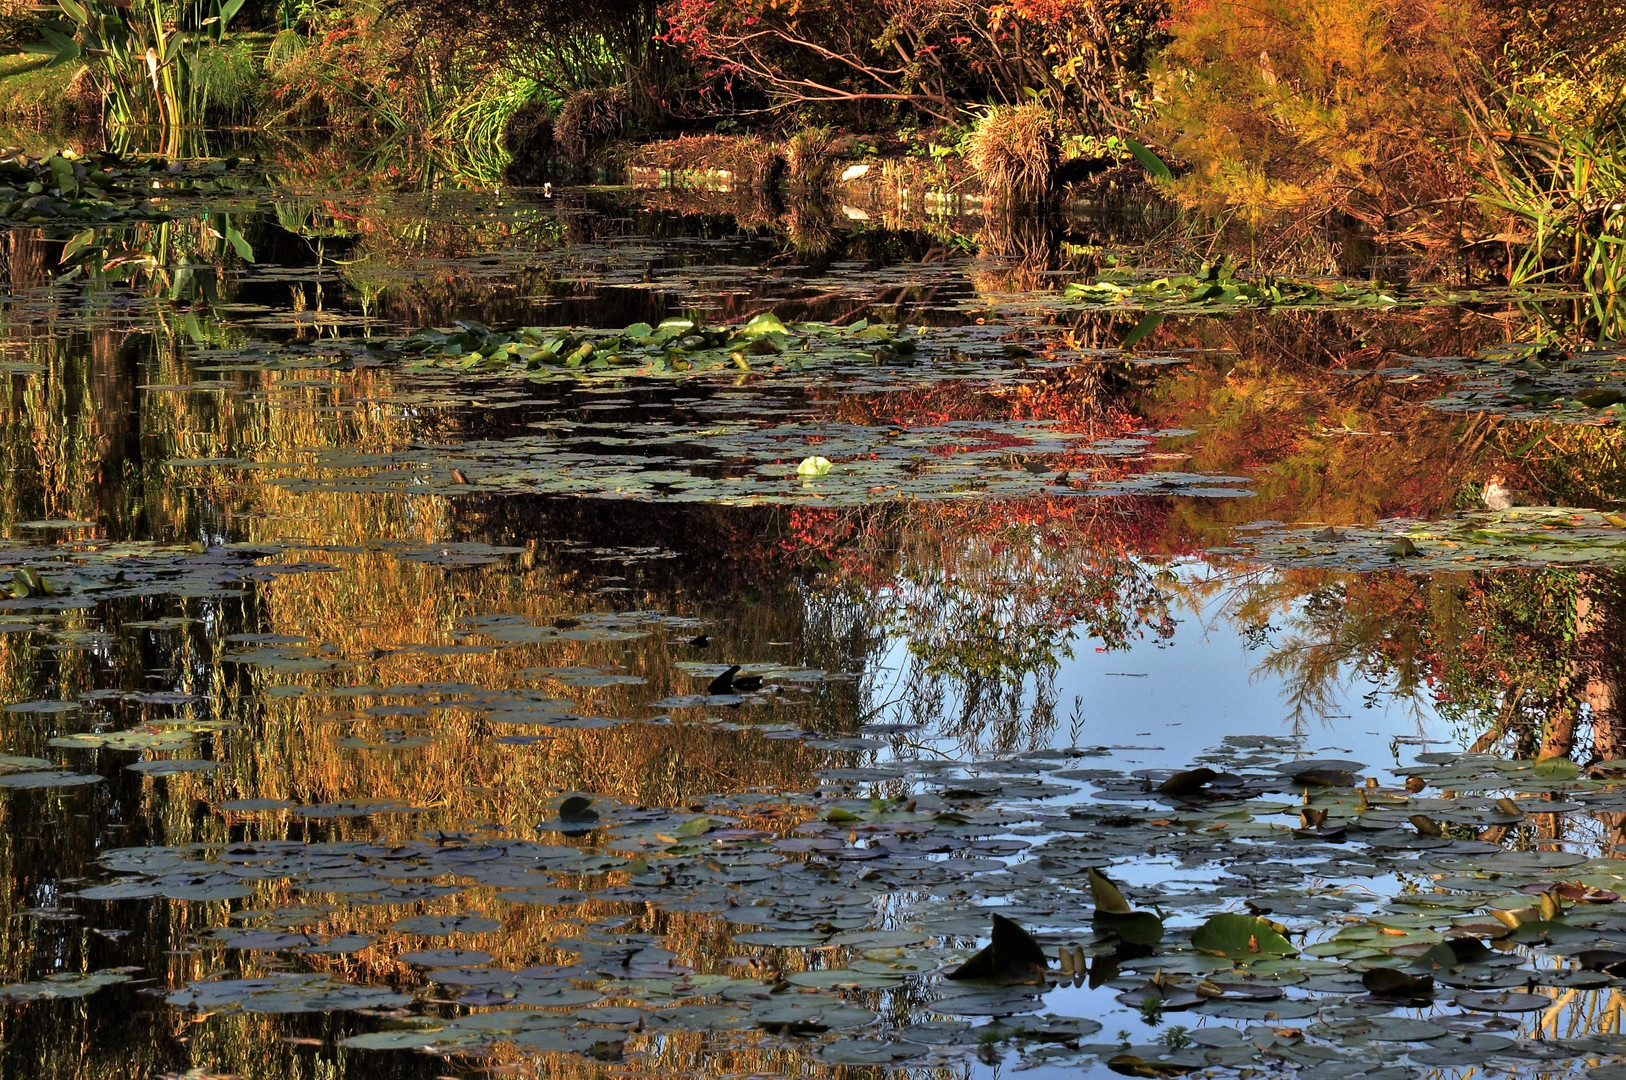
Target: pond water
pixel 394 686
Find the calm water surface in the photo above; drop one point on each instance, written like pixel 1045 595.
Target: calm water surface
pixel 361 718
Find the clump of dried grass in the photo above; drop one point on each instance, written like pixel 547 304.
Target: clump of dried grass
pixel 1015 153
pixel 588 117
pixel 754 163
pixel 810 158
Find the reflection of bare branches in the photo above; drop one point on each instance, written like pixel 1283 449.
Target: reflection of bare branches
pixel 982 622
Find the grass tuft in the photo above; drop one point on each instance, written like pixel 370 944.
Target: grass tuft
pixel 1015 153
pixel 588 117
pixel 810 161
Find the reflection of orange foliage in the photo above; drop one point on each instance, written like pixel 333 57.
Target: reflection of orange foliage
pixel 1287 399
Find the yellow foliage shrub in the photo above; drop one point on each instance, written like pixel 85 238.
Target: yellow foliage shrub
pixel 1288 105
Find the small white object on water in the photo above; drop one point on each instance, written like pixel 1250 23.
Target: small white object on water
pixel 547 191
pixel 853 213
pixel 854 172
pixel 1498 496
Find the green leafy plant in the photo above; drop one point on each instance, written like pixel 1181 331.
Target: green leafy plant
pixel 1564 185
pixel 149 69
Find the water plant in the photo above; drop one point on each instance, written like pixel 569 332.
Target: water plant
pixel 148 57
pixel 1563 184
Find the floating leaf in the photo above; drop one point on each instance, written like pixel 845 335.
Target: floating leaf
pixel 1241 937
pixel 812 467
pixel 1011 954
pixel 1185 783
pixel 447 925
pixel 1556 768
pixel 54 779
pixel 577 810
pixel 1392 982
pixel 1109 900
pixel 62 985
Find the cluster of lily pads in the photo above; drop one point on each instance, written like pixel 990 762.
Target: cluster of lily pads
pixel 60 187
pixel 75 574
pixel 1525 536
pixel 1530 382
pixel 674 349
pixel 1217 285
pixel 1289 912
pixel 750 461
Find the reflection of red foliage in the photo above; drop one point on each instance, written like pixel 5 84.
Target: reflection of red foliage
pixel 862 544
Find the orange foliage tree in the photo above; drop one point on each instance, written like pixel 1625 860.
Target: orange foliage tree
pixel 1351 105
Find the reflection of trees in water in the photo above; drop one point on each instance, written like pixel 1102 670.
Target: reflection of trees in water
pixel 981 612
pixel 1288 397
pixel 1527 661
pixel 1324 632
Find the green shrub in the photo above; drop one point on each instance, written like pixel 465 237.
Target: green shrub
pixel 229 78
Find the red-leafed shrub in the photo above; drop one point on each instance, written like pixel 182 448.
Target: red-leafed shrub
pixel 354 73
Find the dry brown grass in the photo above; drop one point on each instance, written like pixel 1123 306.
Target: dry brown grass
pixel 753 162
pixel 810 158
pixel 588 117
pixel 1015 154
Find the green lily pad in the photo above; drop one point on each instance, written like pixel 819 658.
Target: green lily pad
pixel 1241 937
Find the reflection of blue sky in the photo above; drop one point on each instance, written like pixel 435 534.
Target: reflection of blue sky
pixel 1172 702
pixel 1176 699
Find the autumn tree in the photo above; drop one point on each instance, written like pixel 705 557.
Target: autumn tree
pixel 939 57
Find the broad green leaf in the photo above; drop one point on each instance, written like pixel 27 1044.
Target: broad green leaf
pixel 1556 768
pixel 244 250
pixel 1148 160
pixel 1240 937
pixel 78 244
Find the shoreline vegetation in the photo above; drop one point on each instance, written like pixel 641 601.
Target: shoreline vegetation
pixel 1483 141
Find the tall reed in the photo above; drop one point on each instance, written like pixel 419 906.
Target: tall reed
pixel 148 68
pixel 1564 185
